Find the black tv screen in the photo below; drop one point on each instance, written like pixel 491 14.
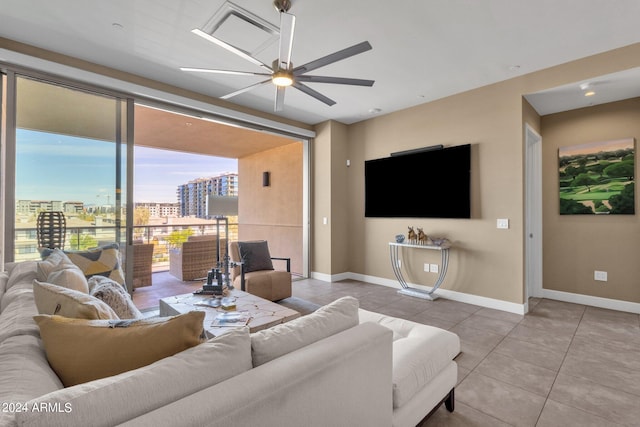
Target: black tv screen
pixel 420 184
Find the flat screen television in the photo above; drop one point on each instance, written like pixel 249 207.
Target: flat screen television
pixel 423 183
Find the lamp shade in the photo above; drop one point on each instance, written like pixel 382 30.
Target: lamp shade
pixel 222 206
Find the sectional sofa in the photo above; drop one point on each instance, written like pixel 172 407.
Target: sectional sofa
pixel 339 366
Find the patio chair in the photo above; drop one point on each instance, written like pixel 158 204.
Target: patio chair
pixel 142 264
pixel 195 257
pixel 255 274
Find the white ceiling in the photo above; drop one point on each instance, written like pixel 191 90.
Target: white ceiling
pixel 422 49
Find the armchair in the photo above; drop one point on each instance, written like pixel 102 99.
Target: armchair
pixel 142 264
pixel 196 257
pixel 254 272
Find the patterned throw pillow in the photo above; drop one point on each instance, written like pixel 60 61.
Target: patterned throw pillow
pixel 100 261
pixel 115 296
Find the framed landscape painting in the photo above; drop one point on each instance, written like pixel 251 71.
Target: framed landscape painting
pixel 597 178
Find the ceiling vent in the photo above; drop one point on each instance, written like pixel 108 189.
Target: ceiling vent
pixel 241 29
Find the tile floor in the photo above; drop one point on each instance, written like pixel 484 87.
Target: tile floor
pixel 560 365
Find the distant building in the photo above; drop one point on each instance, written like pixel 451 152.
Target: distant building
pixel 192 196
pixel 28 207
pixel 161 210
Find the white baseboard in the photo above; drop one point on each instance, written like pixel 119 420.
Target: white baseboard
pixel 445 293
pixel 611 304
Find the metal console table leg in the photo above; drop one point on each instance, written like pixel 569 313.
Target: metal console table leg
pixel 394 254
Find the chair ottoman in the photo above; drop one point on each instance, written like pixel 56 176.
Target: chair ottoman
pixel 424 372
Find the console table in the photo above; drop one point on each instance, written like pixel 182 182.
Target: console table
pixel 394 253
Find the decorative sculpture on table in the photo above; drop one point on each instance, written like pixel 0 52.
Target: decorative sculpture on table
pixel 423 239
pixel 412 237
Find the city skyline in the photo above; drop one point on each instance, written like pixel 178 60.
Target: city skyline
pixel 67 168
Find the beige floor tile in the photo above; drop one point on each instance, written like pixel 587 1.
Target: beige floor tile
pixel 505 402
pixel 556 414
pixel 500 327
pixel 517 373
pixel 540 337
pixel 608 365
pixel 462 416
pixel 531 353
pixel 611 404
pixel 500 315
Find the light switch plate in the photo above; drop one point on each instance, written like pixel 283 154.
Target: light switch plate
pixel 503 223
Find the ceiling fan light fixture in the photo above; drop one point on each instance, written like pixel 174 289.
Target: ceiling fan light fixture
pixel 282 78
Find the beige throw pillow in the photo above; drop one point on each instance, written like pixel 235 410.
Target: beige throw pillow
pixel 328 320
pixel 84 350
pixel 54 299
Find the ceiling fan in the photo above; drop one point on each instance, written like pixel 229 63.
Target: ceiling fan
pixel 282 73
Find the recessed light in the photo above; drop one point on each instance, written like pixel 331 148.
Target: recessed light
pixel 590 93
pixel 117 26
pixel 585 86
pixel 374 110
pixel 514 67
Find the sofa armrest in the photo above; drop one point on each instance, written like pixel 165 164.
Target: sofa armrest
pixel 342 380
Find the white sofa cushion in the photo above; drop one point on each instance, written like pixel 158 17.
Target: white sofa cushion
pixel 17 317
pixel 4 278
pixel 113 400
pixel 281 339
pixel 26 374
pixel 420 353
pixel 21 272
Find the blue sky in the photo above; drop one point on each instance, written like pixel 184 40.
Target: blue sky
pixel 61 167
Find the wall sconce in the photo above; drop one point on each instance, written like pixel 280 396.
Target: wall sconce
pixel 266 179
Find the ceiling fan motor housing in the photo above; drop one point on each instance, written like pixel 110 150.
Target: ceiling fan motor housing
pixel 282 5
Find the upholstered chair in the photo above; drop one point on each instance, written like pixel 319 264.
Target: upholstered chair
pixel 256 274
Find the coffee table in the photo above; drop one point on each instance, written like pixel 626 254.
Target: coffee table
pixel 263 313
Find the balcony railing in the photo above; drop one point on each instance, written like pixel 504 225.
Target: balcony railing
pixel 162 236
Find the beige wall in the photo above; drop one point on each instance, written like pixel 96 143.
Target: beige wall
pixel 485 261
pixel 330 197
pixel 576 245
pixel 273 213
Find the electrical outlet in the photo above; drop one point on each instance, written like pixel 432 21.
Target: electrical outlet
pixel 600 276
pixel 426 267
pixel 433 268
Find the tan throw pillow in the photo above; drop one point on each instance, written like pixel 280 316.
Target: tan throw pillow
pixel 54 299
pixel 328 320
pixel 115 296
pixel 84 350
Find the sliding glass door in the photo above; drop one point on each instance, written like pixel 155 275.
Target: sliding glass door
pixel 67 153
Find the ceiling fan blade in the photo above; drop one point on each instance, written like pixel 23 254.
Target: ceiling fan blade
pixel 231 48
pixel 335 80
pixel 315 94
pixel 279 104
pixel 246 89
pixel 333 57
pixel 287 25
pixel 209 70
